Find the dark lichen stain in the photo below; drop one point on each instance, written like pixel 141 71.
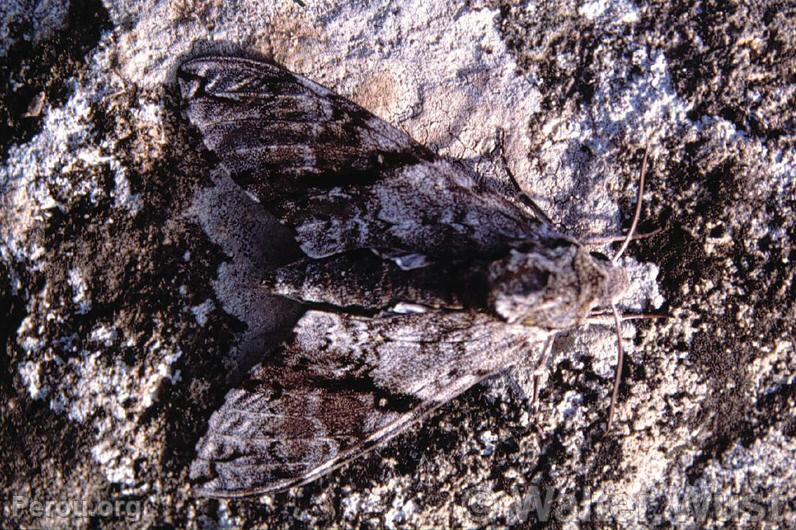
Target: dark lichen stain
pixel 138 280
pixel 33 73
pixel 150 281
pixel 555 47
pixel 734 60
pixel 698 188
pixel 29 430
pixel 12 311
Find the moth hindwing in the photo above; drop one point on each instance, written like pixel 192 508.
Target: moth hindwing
pixel 419 281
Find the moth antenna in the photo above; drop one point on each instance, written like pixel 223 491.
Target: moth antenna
pixel 617 319
pixel 637 213
pixel 619 361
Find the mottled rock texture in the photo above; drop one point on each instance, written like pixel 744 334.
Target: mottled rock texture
pixel 129 288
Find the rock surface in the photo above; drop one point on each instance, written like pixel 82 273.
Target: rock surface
pixel 128 288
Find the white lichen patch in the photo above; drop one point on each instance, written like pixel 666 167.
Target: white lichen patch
pixel 30 170
pixel 80 295
pixel 31 375
pixel 123 393
pixel 119 389
pixel 118 468
pixel 643 293
pixel 776 369
pixel 93 386
pixel 201 311
pixel 743 487
pixel 105 335
pixel 620 111
pixel 612 13
pixel 122 194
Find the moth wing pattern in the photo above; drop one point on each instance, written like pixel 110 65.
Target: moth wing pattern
pixel 339 176
pixel 343 385
pixel 346 181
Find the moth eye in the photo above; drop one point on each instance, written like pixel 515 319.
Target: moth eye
pixel 600 256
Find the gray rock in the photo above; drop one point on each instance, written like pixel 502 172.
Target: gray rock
pixel 130 291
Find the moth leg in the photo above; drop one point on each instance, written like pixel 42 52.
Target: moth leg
pixel 604 240
pixel 547 354
pixel 541 363
pixel 525 199
pixel 514 387
pixel 619 360
pixel 606 318
pixel 535 391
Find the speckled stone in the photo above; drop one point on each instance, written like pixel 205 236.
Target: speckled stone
pixel 129 299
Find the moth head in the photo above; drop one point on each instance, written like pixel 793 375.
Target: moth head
pixel 616 282
pixel 555 284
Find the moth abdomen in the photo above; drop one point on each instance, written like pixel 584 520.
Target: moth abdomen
pixel 366 280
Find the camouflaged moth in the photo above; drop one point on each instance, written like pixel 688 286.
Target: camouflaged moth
pixel 419 280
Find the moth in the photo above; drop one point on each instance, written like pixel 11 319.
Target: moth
pixel 419 279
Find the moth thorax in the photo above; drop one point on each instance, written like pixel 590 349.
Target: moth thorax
pixel 554 287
